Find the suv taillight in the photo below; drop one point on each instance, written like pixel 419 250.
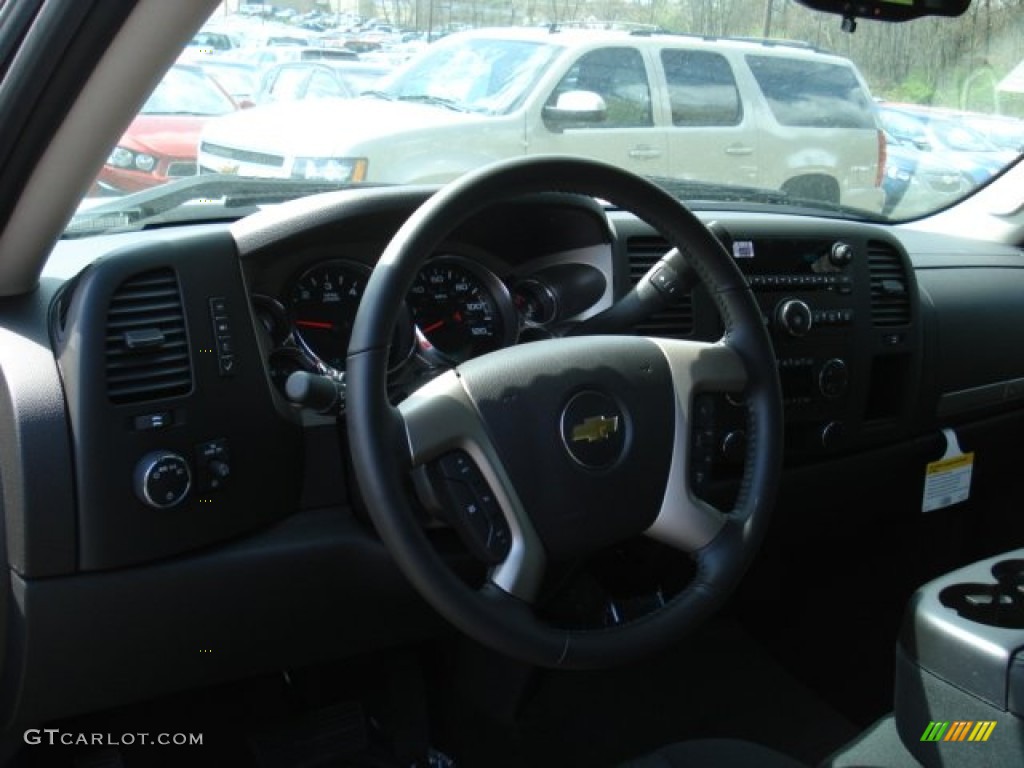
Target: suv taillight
pixel 882 152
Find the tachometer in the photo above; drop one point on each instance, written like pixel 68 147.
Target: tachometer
pixel 323 306
pixel 462 309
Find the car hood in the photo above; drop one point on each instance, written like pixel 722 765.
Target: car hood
pixel 327 127
pixel 168 135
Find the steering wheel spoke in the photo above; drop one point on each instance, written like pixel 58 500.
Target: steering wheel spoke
pixel 449 447
pixel 685 521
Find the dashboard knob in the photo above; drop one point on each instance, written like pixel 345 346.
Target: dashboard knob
pixel 832 434
pixel 219 469
pixel 841 254
pixel 734 446
pixel 794 316
pixel 833 378
pixel 162 479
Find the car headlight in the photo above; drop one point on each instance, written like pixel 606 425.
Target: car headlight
pixel 125 158
pixel 342 169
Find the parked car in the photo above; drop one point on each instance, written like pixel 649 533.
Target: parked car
pixel 212 40
pixel 553 464
pixel 1003 131
pixel 300 80
pixel 677 107
pixel 160 144
pixel 935 131
pixel 919 181
pixel 265 57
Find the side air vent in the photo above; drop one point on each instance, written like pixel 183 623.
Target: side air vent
pixel 674 322
pixel 147 346
pixel 890 289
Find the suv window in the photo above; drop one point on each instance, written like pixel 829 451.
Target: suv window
pixel 492 76
pixel 619 76
pixel 701 88
pixel 322 85
pixel 811 93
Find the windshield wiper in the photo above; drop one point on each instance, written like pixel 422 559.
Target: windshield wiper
pixel 423 98
pixel 212 192
pixel 378 95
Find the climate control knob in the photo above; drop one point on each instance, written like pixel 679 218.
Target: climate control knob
pixel 794 316
pixel 162 479
pixel 833 378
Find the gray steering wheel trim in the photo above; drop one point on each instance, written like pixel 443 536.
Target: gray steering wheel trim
pixel 380 447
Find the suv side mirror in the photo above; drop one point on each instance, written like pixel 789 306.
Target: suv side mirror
pixel 574 108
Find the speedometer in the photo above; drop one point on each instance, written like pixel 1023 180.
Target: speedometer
pixel 462 309
pixel 323 305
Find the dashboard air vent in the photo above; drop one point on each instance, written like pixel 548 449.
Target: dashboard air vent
pixel 147 345
pixel 890 288
pixel 673 322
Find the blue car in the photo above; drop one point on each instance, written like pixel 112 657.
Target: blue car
pixel 918 180
pixel 960 145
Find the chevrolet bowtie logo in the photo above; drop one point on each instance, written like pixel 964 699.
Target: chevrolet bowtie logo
pixel 595 428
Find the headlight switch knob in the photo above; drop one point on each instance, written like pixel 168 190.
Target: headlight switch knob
pixel 162 479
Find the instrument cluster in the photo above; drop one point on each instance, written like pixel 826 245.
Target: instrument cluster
pixel 457 308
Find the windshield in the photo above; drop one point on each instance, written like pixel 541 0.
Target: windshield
pixel 779 111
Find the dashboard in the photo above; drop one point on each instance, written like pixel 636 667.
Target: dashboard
pixel 181 479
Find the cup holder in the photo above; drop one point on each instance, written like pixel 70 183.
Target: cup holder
pixel 998 605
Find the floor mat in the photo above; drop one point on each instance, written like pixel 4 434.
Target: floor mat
pixel 718 683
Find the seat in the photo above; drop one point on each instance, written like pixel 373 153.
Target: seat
pixel 714 753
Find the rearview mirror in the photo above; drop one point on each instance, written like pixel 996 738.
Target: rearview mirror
pixel 888 10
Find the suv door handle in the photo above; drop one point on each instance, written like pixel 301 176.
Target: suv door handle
pixel 644 152
pixel 739 150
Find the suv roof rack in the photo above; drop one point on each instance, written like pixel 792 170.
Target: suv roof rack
pixel 646 30
pixel 633 27
pixel 780 41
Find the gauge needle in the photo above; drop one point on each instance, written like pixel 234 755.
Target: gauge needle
pixel 314 324
pixel 433 326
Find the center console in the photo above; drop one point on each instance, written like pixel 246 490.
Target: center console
pixel 843 315
pixel 960 667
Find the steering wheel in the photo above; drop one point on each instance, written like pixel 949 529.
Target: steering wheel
pixel 557 448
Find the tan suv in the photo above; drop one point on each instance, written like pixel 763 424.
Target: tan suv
pixel 769 114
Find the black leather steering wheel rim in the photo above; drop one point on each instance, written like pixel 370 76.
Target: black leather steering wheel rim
pixel 379 443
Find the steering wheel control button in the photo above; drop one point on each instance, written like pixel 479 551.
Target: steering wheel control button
pixel 593 430
pixel 213 463
pixel 226 362
pixel 472 509
pixel 667 282
pixel 162 479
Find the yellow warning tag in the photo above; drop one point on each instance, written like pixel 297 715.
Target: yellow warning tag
pixel 948 465
pixel 948 480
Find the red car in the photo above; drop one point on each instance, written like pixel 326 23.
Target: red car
pixel 160 144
